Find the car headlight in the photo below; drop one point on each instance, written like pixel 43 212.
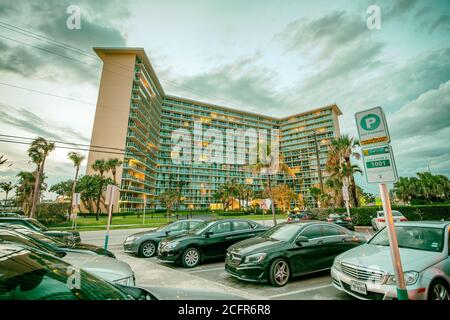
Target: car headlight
pixel 255 258
pixel 129 281
pixel 337 264
pixel 131 239
pixel 171 245
pixel 410 278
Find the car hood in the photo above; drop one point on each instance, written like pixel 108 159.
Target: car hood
pixel 180 237
pixel 255 245
pixel 107 268
pixel 162 293
pixel 379 257
pixel 91 248
pixel 149 233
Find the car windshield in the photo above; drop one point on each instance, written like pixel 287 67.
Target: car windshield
pixel 42 238
pixel 420 238
pixel 201 227
pixel 26 275
pixel 27 241
pixel 38 225
pixel 282 232
pixel 394 214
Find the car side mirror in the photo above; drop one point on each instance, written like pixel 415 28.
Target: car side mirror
pixel 61 254
pixel 167 232
pixel 300 240
pixel 208 233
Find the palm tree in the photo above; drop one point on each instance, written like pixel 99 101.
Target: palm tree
pixel 266 167
pixel 7 187
pixel 38 152
pixel 77 159
pixel 341 150
pixel 25 189
pixel 2 160
pixel 101 166
pixel 402 189
pixel 112 165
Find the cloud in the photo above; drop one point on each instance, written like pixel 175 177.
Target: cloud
pixel 36 126
pixel 48 18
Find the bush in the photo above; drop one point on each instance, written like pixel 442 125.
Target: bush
pixel 52 212
pixel 233 213
pixel 362 216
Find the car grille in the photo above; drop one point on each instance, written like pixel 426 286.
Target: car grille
pixel 234 258
pixel 362 273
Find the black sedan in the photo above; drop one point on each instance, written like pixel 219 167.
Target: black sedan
pixel 144 244
pixel 289 249
pixel 208 240
pixel 341 219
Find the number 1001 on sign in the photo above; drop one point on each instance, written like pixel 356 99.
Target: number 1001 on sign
pixel 379 164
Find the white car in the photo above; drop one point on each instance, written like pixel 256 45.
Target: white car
pixel 366 272
pixel 379 222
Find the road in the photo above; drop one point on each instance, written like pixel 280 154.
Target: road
pixel 212 276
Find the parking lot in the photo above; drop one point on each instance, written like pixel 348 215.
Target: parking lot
pixel 211 276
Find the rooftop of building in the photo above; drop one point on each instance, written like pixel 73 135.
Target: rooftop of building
pixel 140 53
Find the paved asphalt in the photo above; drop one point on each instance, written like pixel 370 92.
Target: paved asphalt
pixel 211 276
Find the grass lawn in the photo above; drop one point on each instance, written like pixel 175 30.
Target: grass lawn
pixel 130 222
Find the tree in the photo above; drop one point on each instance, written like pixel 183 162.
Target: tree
pixel 112 165
pixel 101 166
pixel 426 188
pixel 7 187
pixel 89 187
pixel 283 195
pixel 77 159
pixel 272 165
pixel 2 160
pixel 25 189
pixel 169 198
pixel 63 188
pixel 341 150
pixel 38 152
pixel 315 193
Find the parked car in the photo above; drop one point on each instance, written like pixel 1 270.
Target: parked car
pixel 104 267
pixel 29 274
pixel 379 222
pixel 70 237
pixel 58 245
pixel 289 249
pixel 341 219
pixel 145 243
pixel 366 272
pixel 207 240
pixel 299 216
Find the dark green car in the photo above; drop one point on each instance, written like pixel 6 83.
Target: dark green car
pixel 207 240
pixel 288 250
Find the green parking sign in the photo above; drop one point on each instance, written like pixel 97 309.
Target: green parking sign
pixel 379 164
pixel 372 127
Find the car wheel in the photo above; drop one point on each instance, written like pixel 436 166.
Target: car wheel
pixel 147 249
pixel 439 290
pixel 190 258
pixel 279 273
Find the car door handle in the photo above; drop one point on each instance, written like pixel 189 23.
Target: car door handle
pixel 251 235
pixel 229 238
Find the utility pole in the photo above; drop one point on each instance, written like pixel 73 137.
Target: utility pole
pixel 319 169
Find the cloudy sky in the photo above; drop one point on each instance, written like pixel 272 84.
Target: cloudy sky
pixel 276 57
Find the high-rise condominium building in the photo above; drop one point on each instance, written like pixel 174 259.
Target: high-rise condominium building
pixel 167 142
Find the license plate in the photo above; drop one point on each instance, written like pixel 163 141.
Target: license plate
pixel 359 287
pixel 338 220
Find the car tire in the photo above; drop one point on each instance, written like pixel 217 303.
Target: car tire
pixel 439 290
pixel 147 249
pixel 279 272
pixel 190 258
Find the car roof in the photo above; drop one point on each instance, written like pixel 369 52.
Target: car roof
pixel 14 218
pixel 431 224
pixel 7 248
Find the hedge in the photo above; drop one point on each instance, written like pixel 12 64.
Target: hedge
pixel 52 212
pixel 362 216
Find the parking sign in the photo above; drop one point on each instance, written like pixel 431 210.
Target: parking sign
pixel 379 164
pixel 372 127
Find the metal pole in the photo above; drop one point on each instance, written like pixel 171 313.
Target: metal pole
pixel 319 170
pixel 402 293
pixel 348 208
pixel 145 204
pixel 109 217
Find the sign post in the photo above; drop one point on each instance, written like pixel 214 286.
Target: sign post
pixel 379 166
pixel 75 204
pixel 145 204
pixel 111 193
pixel 345 195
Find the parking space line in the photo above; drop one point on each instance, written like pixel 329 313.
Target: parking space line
pixel 206 270
pixel 299 291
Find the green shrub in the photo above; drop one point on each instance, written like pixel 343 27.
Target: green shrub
pixel 233 213
pixel 52 212
pixel 362 216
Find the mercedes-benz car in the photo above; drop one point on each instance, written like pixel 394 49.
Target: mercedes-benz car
pixel 367 272
pixel 208 240
pixel 145 244
pixel 379 222
pixel 290 249
pixel 110 269
pixel 70 236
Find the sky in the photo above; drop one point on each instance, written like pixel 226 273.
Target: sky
pixel 275 57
